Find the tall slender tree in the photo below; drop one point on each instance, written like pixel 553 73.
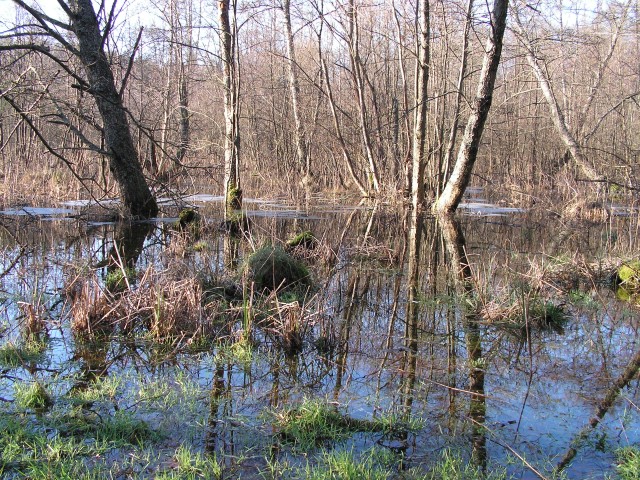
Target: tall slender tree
pixel 420 123
pixel 227 25
pixel 468 152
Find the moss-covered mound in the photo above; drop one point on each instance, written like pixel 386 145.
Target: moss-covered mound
pixel 629 275
pixel 304 239
pixel 271 267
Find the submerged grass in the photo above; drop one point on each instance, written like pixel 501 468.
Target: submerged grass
pixel 15 355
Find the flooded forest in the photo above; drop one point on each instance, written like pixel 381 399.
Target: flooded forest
pixel 319 239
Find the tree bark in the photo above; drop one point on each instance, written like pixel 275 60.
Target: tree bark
pixel 453 132
pixel 232 193
pixel 461 174
pixel 294 87
pixel 124 162
pixel 420 123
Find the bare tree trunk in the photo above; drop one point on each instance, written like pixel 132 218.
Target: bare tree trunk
pixel 461 175
pixel 294 87
pixel 184 65
pixel 232 192
pixel 420 123
pixel 557 114
pixel 343 145
pixel 358 81
pixel 124 162
pixel 451 144
pixel 405 101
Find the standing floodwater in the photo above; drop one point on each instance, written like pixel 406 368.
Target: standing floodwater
pixel 299 342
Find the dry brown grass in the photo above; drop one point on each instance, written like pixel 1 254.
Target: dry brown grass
pixel 587 210
pixel 166 306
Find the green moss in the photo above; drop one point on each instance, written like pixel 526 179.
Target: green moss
pixel 234 199
pixel 270 268
pixel 305 239
pixel 629 275
pixel 188 215
pixel 119 279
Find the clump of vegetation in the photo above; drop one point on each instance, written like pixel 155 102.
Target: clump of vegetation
pixel 532 313
pixel 345 465
pixel 91 312
pixel 187 216
pixel 314 422
pixel 451 466
pixel 119 279
pixel 304 239
pixel 32 396
pixel 588 210
pixel 271 268
pixel 13 355
pixel 628 463
pixel 192 465
pixel 628 275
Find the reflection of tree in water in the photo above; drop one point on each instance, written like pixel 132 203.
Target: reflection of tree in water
pixel 461 273
pixel 91 351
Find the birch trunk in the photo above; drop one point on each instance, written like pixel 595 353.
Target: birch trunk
pixel 468 152
pixel 232 193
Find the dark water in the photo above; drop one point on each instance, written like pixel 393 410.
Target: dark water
pixel 396 298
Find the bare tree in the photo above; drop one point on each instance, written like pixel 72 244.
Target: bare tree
pixel 420 123
pixel 557 115
pixel 232 192
pixel 119 147
pixel 468 152
pixel 357 73
pixel 294 87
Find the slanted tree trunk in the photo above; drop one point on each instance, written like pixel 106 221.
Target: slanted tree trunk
pixel 294 87
pixel 420 123
pixel 232 192
pixel 557 116
pixel 453 132
pixel 461 174
pixel 124 162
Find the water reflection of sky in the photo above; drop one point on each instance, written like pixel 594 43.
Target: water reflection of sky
pixel 546 390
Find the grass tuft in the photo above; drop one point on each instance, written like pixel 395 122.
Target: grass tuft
pixel 32 396
pixel 313 423
pixel 14 355
pixel 628 463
